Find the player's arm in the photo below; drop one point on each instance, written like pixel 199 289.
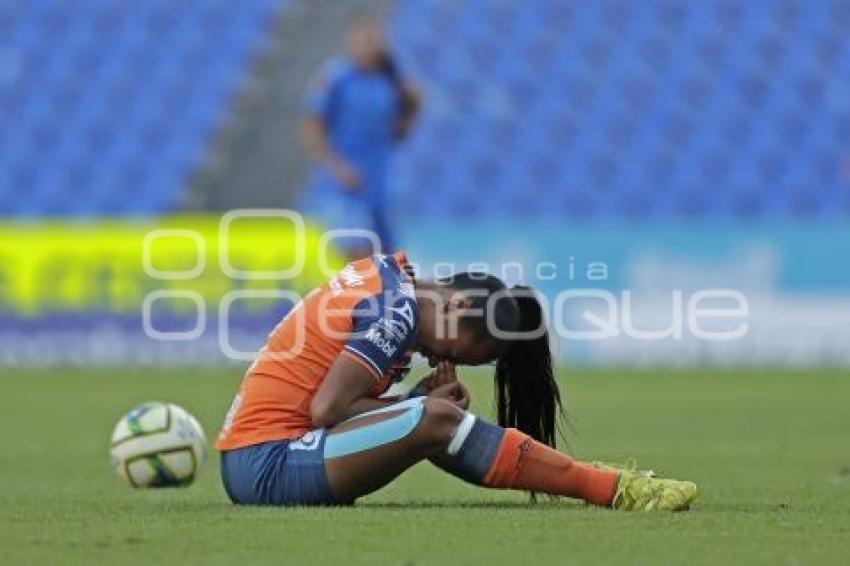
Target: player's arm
pixel 315 139
pixel 344 393
pixel 316 142
pixel 319 103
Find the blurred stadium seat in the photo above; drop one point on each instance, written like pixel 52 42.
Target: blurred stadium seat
pixel 103 117
pixel 655 109
pixel 651 110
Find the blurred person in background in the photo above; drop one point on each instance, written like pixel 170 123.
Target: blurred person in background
pixel 358 107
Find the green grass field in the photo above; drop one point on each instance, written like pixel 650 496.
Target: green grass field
pixel 769 450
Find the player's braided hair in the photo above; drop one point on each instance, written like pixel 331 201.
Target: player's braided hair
pixel 527 395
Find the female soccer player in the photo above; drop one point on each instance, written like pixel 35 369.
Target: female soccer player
pixel 308 426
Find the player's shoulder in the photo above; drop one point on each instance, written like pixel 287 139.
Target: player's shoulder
pixel 397 287
pixel 379 278
pixel 388 319
pixel 394 270
pixel 355 282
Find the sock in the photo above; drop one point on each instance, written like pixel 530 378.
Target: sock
pixel 489 455
pixel 523 463
pixel 472 450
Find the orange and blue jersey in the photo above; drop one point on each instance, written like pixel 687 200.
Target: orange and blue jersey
pixel 367 312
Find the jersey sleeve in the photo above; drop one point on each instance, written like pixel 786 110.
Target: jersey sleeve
pixel 318 99
pixel 382 334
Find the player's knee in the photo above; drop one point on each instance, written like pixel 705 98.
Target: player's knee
pixel 439 421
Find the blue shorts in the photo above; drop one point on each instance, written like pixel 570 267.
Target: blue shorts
pixel 284 472
pixel 292 472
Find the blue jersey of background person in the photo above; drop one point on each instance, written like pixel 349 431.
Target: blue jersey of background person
pixel 358 107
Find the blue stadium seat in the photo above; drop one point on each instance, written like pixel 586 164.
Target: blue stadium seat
pixel 104 118
pixel 659 109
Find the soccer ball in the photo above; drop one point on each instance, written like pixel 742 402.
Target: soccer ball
pixel 158 445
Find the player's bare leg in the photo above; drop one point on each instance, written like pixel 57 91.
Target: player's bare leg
pixel 362 472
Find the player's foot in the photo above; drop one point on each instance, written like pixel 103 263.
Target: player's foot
pixel 637 492
pixel 630 466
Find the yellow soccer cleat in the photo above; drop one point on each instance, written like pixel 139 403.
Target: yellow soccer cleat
pixel 630 466
pixel 636 492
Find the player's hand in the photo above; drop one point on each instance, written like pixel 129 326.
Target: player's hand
pixel 445 372
pixel 454 392
pixel 345 174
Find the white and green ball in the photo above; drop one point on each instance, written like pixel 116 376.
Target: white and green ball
pixel 158 445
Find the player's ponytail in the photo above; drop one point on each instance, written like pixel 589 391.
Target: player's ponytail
pixel 527 395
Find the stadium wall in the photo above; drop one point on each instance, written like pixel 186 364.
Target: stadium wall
pixel 619 295
pixel 613 289
pixel 181 290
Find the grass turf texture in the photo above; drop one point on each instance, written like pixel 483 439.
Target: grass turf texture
pixel 770 451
